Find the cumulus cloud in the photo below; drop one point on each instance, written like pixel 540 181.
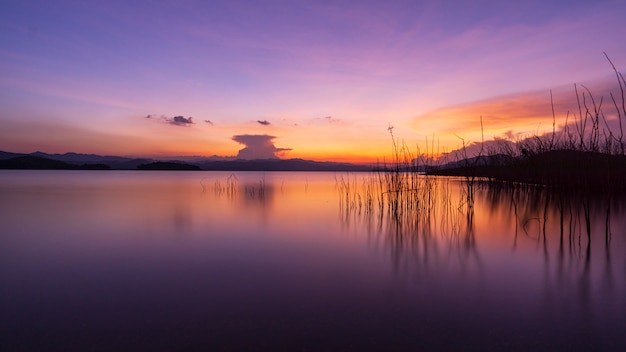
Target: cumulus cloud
pixel 258 147
pixel 263 122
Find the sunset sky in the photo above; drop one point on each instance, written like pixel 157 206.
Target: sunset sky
pixel 325 78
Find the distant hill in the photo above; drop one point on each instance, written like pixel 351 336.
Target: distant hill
pixel 483 160
pixel 114 162
pixel 30 162
pixel 7 155
pixel 71 161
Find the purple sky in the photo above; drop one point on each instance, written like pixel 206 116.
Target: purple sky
pixel 325 78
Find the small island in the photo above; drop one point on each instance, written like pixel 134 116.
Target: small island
pixel 168 165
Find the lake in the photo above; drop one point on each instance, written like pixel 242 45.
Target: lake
pixel 302 261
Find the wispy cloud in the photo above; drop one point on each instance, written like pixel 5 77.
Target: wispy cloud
pixel 263 122
pixel 326 120
pixel 517 116
pixel 331 119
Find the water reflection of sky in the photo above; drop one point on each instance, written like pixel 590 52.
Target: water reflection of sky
pixel 159 260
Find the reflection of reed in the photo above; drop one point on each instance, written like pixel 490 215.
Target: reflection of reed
pixel 250 191
pixel 574 214
pixel 255 191
pixel 425 225
pixel 573 229
pixel 417 219
pixel 228 188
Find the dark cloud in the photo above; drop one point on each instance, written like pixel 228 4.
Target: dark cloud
pixel 258 147
pixel 209 122
pixel 263 122
pixel 176 120
pixel 180 120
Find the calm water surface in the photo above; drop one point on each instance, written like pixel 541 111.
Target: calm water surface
pixel 116 260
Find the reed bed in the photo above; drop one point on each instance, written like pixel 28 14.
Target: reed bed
pixel 404 200
pixel 568 175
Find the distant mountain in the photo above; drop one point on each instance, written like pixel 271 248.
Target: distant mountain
pixel 114 162
pixel 7 155
pixel 483 160
pixel 69 161
pixel 31 162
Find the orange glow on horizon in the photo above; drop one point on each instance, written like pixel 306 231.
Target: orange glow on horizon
pixel 335 139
